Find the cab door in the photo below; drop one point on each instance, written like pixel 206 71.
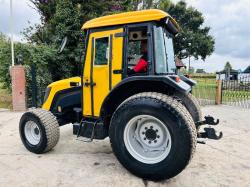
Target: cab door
pixel 104 54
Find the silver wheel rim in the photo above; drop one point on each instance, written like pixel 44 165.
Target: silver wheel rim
pixel 147 139
pixel 32 132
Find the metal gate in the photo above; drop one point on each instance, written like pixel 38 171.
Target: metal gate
pixel 236 92
pixel 205 90
pixel 35 88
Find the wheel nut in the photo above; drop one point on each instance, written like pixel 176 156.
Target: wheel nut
pixel 151 127
pixel 149 142
pixel 146 128
pixel 158 136
pixel 155 141
pixel 145 138
pixel 156 130
pixel 143 132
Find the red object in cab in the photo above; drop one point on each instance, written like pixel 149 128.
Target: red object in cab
pixel 141 66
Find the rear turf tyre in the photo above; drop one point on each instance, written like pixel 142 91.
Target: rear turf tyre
pixel 39 130
pixel 144 118
pixel 192 105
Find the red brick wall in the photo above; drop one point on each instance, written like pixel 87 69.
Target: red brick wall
pixel 18 88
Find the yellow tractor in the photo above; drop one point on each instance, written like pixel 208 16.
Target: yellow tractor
pixel 129 91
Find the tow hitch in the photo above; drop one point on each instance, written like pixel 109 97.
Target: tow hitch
pixel 208 132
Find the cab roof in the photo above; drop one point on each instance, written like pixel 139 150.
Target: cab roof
pixel 128 17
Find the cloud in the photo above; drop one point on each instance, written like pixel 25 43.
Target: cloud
pixel 217 62
pixel 22 14
pixel 229 21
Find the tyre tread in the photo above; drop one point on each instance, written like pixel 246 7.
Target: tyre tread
pixel 51 126
pixel 175 107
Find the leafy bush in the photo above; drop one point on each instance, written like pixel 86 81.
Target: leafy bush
pixel 42 57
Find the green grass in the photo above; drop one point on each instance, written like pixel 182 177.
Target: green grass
pixel 205 88
pixel 5 98
pixel 235 96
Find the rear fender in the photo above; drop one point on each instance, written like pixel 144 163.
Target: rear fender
pixel 137 84
pixel 189 81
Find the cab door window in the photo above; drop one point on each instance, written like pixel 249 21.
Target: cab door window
pixel 137 60
pixel 101 51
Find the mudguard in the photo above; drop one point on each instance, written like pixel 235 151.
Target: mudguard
pixel 169 80
pixel 189 81
pixel 135 84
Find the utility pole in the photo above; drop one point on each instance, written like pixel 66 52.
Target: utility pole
pixel 189 46
pixel 11 32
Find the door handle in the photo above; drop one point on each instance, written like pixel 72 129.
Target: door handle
pixel 89 83
pixel 118 71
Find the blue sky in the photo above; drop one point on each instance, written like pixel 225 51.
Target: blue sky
pixel 229 21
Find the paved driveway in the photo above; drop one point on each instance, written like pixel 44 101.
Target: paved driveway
pixel 74 163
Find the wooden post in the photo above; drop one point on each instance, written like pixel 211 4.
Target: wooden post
pixel 218 92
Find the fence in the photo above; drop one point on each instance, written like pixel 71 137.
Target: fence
pixel 236 92
pixel 35 88
pixel 205 90
pixel 229 92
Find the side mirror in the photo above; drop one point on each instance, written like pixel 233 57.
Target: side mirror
pixel 63 44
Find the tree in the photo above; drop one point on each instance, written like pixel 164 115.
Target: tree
pixel 142 4
pixel 192 31
pixel 200 71
pixel 191 70
pixel 228 67
pixel 64 18
pixel 41 56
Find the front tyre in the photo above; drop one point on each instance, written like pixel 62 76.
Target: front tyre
pixel 153 135
pixel 39 130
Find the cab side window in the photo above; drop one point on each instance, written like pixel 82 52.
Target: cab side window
pixel 136 36
pixel 134 53
pixel 137 51
pixel 101 51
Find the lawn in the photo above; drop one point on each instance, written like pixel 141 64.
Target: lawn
pixel 5 98
pixel 235 96
pixel 205 89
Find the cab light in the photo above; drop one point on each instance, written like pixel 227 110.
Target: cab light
pixel 177 79
pixel 59 109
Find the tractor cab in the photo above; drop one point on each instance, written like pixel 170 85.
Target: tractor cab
pixel 146 34
pixel 124 48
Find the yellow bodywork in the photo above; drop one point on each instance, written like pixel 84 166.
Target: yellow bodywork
pixel 101 72
pixel 58 86
pixel 129 17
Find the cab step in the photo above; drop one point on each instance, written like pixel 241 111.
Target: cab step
pixel 89 129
